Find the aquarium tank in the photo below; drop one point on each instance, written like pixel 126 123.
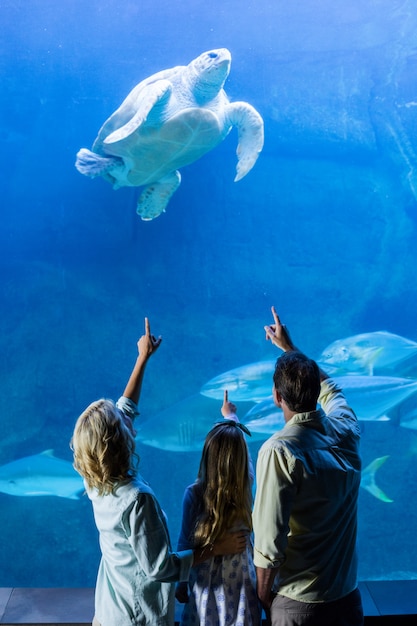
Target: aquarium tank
pixel 296 188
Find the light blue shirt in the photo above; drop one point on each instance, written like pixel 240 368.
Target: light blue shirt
pixel 136 558
pixel 305 512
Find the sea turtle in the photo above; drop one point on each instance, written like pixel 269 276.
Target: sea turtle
pixel 167 121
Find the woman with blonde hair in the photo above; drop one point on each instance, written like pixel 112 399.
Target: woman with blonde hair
pixel 137 569
pixel 222 590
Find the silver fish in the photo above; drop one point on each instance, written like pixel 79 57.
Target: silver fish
pixel 363 353
pixel 371 397
pixel 248 383
pixel 264 418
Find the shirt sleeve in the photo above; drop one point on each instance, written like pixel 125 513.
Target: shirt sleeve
pixel 334 404
pixel 128 407
pixel 275 492
pixel 148 535
pixel 189 518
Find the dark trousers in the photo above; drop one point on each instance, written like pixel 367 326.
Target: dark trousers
pixel 344 612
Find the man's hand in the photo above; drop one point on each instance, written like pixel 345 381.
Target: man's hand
pixel 264 581
pixel 278 334
pixel 148 343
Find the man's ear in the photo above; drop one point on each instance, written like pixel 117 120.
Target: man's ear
pixel 277 397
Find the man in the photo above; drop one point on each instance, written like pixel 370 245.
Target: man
pixel 305 511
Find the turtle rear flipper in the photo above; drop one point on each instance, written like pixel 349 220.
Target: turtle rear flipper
pixel 250 129
pixel 155 197
pixel 91 164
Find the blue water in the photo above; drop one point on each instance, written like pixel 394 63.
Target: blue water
pixel 324 227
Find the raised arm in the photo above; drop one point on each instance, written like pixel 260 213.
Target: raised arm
pixel 147 345
pixel 228 409
pixel 278 334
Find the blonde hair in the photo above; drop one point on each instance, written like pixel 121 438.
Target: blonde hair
pixel 103 446
pixel 224 484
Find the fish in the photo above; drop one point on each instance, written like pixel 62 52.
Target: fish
pixel 368 479
pixel 371 397
pixel 264 418
pixel 41 475
pixel 363 353
pixel 247 383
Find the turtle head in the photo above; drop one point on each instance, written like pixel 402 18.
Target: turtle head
pixel 208 73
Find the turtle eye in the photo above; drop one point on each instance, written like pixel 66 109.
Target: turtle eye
pixel 213 55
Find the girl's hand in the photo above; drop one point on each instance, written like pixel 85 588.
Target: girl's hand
pixel 228 408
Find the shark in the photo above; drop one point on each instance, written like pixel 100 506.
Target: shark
pixel 183 426
pixel 41 475
pixel 409 419
pixel 46 475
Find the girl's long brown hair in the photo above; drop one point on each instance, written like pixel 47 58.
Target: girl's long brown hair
pixel 224 484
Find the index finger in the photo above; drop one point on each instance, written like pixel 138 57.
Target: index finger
pixel 147 327
pixel 226 396
pixel 276 318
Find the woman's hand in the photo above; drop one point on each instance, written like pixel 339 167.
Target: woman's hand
pixel 230 543
pixel 181 592
pixel 148 343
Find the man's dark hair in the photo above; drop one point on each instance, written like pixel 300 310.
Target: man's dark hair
pixel 297 379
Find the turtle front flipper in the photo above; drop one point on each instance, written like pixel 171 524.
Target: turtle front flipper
pixel 250 129
pixel 155 197
pixel 157 95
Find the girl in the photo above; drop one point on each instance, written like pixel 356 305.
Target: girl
pixel 221 591
pixel 134 539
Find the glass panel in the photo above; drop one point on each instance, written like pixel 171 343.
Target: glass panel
pixel 323 227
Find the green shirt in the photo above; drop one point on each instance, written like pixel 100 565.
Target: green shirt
pixel 305 511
